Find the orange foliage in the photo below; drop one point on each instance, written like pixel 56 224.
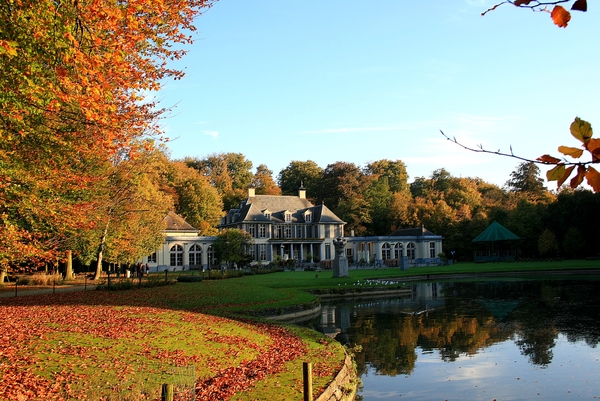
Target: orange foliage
pixel 560 16
pixel 582 131
pixel 74 79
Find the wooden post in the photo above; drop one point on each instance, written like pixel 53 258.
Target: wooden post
pixel 167 392
pixel 307 375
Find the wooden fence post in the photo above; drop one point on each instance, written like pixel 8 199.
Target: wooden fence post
pixel 167 392
pixel 307 375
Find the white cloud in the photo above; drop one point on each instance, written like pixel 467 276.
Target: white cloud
pixel 214 134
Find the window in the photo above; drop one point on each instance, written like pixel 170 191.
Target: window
pixel 410 250
pixel 263 251
pixel 398 250
pixel 327 251
pixel 262 230
pixel 176 254
pixel 308 217
pixel 327 231
pixel 152 258
pixel 195 255
pixel 386 251
pixel 348 252
pixel 288 232
pixel 432 249
pixel 288 216
pixel 252 252
pixel 267 214
pixel 251 228
pixel 211 255
pixel 278 231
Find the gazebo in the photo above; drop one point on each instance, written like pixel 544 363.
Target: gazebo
pixel 495 232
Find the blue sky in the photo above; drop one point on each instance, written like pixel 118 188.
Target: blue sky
pixel 283 80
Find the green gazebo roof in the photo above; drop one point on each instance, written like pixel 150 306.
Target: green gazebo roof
pixel 495 232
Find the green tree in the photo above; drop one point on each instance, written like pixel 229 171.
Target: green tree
pixel 574 244
pixel 393 170
pixel 231 246
pixel 526 179
pixel 306 173
pixel 343 190
pixel 547 244
pixel 379 200
pixel 420 187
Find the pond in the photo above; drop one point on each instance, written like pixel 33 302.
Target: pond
pixel 512 339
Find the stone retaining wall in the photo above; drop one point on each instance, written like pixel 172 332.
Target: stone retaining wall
pixel 343 387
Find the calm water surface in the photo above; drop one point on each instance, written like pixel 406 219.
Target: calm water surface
pixel 505 340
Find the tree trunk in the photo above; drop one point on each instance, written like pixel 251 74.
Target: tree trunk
pixel 100 250
pixel 69 269
pixel 3 271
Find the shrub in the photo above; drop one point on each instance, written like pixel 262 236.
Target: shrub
pixel 45 279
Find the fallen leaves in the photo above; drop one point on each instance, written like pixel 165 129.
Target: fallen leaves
pixel 63 346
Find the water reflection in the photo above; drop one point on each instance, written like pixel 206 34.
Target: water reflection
pixel 451 322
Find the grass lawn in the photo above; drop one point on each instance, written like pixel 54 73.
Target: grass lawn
pixel 122 345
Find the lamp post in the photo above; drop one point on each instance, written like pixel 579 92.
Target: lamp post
pixel 16 285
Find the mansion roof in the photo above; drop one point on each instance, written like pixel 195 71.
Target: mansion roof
pixel 272 208
pixel 175 223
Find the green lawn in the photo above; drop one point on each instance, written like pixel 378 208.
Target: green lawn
pixel 131 341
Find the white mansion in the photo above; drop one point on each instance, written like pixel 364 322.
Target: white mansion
pixel 290 227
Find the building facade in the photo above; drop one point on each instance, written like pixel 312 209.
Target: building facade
pixel 290 227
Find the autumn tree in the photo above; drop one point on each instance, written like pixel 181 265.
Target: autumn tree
pixel 196 200
pixel 128 213
pixel 263 181
pixel 230 173
pixel 73 80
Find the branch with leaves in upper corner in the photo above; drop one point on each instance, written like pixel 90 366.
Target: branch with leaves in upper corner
pixel 560 16
pixel 563 168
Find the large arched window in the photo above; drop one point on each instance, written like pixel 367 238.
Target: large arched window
pixel 398 251
pixel 176 255
pixel 410 250
pixel 386 251
pixel 195 255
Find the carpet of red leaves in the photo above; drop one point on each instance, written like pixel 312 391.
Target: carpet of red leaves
pixel 27 320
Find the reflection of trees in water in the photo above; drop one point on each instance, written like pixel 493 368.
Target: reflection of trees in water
pixel 480 315
pixel 389 341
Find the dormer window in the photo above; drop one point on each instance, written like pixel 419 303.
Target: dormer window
pixel 288 216
pixel 267 214
pixel 308 216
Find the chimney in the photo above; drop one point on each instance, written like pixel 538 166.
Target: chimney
pixel 251 193
pixel 302 191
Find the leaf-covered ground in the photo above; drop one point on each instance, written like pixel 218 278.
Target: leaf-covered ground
pixel 123 346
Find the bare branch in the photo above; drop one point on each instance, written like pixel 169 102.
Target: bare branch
pixel 480 149
pixel 535 6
